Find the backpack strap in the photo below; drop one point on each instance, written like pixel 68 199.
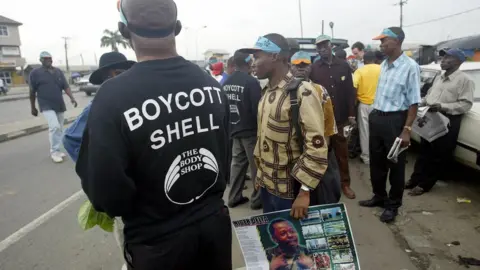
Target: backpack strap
pixel 292 89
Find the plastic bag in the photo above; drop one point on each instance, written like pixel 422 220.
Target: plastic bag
pixel 88 218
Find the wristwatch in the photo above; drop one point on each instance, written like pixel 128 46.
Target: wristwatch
pixel 305 188
pixel 408 128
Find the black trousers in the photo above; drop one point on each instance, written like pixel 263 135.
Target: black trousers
pixel 436 157
pixel 384 129
pixel 203 245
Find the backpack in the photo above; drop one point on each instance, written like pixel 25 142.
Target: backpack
pixel 329 189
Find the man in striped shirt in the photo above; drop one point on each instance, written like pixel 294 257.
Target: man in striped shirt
pixel 287 170
pixel 394 110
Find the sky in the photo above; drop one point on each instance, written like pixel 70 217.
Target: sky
pixel 232 24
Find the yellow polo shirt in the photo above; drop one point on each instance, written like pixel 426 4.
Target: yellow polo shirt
pixel 365 80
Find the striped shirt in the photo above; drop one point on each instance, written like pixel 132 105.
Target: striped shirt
pixel 398 85
pixel 278 156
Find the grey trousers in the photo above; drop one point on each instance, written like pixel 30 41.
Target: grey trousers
pixel 242 156
pixel 364 111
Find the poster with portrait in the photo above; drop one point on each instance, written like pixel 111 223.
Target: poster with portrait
pixel 276 241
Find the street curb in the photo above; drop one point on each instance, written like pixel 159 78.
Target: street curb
pixel 23 96
pixel 13 98
pixel 30 130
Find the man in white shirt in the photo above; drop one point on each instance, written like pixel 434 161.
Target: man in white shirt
pixel 452 95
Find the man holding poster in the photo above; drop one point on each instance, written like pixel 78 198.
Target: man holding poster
pixel 290 163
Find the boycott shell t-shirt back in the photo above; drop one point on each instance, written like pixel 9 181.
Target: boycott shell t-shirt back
pixel 155 148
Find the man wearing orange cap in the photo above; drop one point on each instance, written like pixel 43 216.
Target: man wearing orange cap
pixel 329 190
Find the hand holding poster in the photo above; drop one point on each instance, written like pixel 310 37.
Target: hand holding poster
pixel 276 241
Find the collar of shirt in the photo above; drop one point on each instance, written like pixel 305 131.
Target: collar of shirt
pixel 335 61
pixel 282 84
pixel 451 76
pixel 395 63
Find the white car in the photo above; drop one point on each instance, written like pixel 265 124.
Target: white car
pixel 468 144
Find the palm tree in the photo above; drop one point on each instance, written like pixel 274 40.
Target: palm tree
pixel 113 39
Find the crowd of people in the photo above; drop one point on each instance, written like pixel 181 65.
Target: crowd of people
pixel 158 144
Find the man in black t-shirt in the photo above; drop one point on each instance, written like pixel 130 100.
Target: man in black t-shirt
pixel 154 150
pixel 243 92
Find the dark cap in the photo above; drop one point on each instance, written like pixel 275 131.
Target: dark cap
pixel 270 43
pixel 146 32
pixel 239 57
pixel 457 53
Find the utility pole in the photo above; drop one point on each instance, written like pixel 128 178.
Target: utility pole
pixel 401 4
pixel 81 56
pixel 66 53
pixel 323 26
pixel 96 61
pixel 301 20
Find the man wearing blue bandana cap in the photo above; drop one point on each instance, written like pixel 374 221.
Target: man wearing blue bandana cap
pixel 287 170
pixel 394 110
pixel 452 95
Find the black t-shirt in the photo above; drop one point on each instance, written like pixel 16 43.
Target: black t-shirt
pixel 155 148
pixel 243 92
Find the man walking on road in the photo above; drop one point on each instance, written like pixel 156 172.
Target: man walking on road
pixel 452 95
pixel 243 93
pixel 154 150
pixel 394 110
pixel 365 80
pixel 284 163
pixel 336 76
pixel 47 84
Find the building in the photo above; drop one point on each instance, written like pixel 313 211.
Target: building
pixel 221 55
pixel 11 60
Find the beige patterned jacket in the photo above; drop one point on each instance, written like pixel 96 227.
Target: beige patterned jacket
pixel 278 155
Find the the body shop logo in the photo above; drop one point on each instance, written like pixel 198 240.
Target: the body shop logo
pixel 187 167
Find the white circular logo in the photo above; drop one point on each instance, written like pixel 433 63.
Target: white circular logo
pixel 188 165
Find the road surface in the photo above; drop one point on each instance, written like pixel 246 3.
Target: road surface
pixel 31 185
pixel 19 110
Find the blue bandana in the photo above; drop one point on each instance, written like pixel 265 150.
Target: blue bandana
pixel 266 45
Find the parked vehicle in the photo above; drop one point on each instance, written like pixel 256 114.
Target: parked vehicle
pixel 468 144
pixel 86 86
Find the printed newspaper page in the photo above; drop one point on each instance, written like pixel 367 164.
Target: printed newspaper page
pixel 276 241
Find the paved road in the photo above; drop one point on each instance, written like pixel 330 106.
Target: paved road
pixel 30 185
pixel 19 110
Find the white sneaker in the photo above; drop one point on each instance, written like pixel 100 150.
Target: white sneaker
pixel 124 267
pixel 56 158
pixel 61 154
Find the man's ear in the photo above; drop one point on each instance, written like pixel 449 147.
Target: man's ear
pixel 124 31
pixel 276 57
pixel 178 27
